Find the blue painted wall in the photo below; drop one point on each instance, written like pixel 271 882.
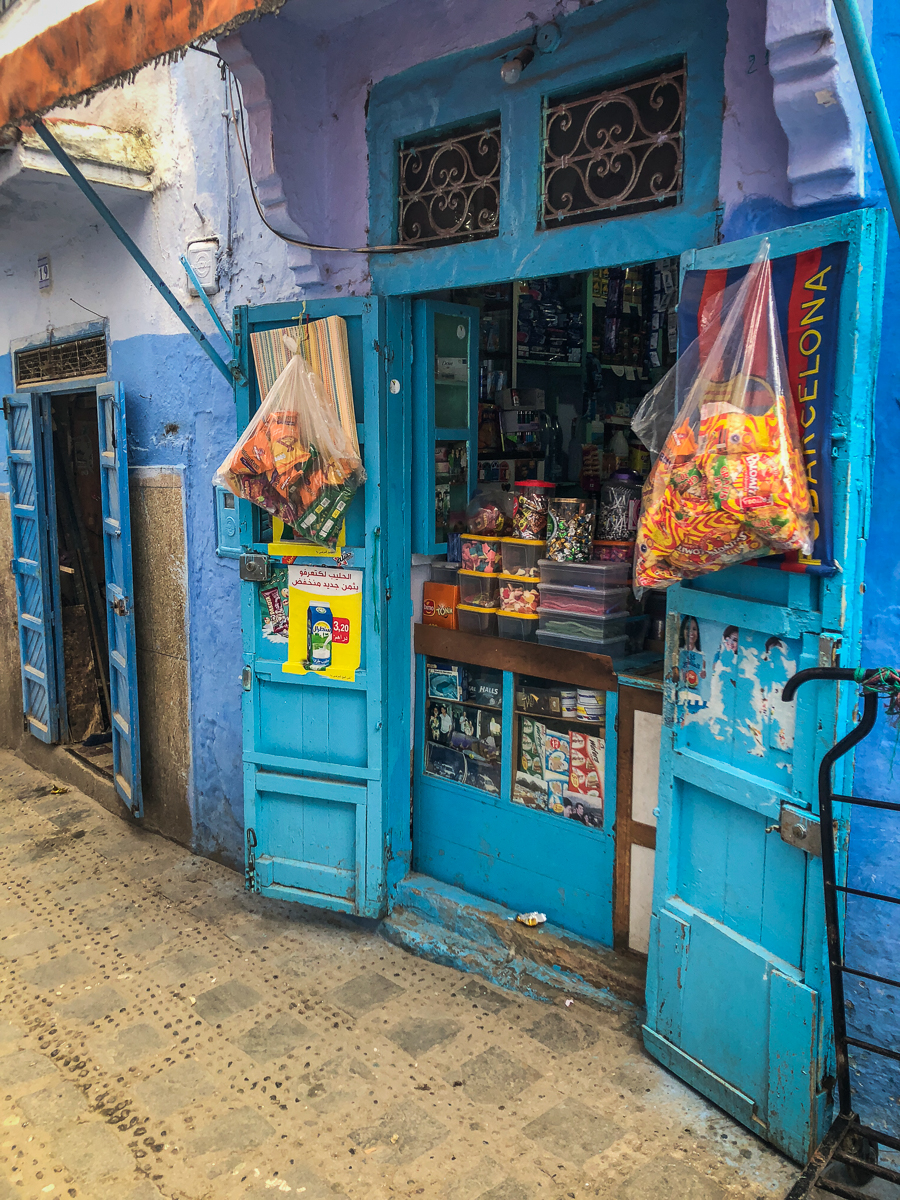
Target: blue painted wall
pixel 168 380
pixel 874 929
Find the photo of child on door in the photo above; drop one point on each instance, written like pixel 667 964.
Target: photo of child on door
pixel 690 671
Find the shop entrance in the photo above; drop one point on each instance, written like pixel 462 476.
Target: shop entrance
pixel 518 790
pixel 733 898
pixel 72 563
pixel 687 768
pixel 82 611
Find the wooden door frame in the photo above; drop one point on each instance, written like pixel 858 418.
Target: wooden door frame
pixel 628 831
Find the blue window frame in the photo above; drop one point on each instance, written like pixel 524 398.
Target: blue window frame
pixel 600 45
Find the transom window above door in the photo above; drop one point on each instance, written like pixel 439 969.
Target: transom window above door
pixel 449 186
pixel 613 152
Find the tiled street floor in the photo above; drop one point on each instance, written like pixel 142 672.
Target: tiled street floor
pixel 163 1034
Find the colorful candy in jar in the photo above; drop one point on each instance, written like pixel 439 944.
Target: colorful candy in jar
pixel 570 530
pixel 531 500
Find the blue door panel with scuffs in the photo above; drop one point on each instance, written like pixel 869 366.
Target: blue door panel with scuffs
pixel 317 809
pixel 736 911
pixel 28 441
pixel 123 687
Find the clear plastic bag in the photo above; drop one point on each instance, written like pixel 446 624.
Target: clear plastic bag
pixel 729 483
pixel 294 459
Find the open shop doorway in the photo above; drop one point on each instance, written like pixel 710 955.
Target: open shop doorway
pixel 84 664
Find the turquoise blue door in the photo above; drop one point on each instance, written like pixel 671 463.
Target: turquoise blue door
pixel 445 417
pixel 735 973
pixel 123 692
pixel 326 763
pixel 27 427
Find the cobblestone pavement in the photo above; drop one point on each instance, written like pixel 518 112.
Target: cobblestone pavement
pixel 162 1034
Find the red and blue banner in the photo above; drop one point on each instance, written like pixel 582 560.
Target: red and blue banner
pixel 807 289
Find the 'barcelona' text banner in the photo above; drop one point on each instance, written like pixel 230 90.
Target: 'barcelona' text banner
pixel 807 291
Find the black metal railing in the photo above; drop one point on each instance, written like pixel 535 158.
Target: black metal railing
pixel 848 1141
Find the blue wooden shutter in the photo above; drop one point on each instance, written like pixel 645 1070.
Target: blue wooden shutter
pixel 119 595
pixel 32 563
pixel 736 965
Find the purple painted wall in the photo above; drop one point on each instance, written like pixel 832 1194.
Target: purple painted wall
pixel 317 83
pixel 753 178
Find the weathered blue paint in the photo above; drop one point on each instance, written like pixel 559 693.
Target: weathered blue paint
pixel 451 926
pixel 317 754
pixel 732 901
pixel 869 85
pixel 180 413
pixel 127 241
pixel 874 853
pixel 116 510
pixel 27 429
pixel 511 854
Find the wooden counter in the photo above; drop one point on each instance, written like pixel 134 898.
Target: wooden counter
pixel 524 658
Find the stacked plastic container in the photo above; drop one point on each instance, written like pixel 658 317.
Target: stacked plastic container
pixel 584 606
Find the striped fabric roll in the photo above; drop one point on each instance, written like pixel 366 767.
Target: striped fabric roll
pixel 324 346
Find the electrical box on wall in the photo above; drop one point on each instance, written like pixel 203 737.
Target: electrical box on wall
pixel 203 257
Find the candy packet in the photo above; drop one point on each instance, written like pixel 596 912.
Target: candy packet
pixel 729 483
pixel 294 459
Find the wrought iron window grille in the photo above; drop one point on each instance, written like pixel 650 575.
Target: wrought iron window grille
pixel 449 187
pixel 614 153
pixel 61 360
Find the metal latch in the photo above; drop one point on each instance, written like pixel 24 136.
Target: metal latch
pixel 799 828
pixel 251 880
pixel 254 568
pixel 119 607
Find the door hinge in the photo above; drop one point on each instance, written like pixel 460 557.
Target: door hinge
pixel 247 678
pixel 6 407
pixel 387 587
pixel 252 879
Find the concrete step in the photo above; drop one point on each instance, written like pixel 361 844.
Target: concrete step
pixel 449 926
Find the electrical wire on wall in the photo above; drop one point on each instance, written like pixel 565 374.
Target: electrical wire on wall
pixel 243 141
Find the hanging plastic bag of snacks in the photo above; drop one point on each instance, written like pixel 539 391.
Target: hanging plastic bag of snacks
pixel 729 483
pixel 294 459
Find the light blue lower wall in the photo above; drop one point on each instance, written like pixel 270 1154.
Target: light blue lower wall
pixel 169 382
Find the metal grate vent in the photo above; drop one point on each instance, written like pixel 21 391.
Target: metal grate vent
pixel 449 189
pixel 62 360
pixel 615 152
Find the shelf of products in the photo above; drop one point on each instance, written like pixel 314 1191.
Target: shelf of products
pixel 463 723
pixel 560 750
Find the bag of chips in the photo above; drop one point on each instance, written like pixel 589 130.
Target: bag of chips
pixel 294 459
pixel 729 483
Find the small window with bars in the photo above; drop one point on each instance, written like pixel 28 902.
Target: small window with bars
pixel 614 152
pixel 449 186
pixel 61 360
